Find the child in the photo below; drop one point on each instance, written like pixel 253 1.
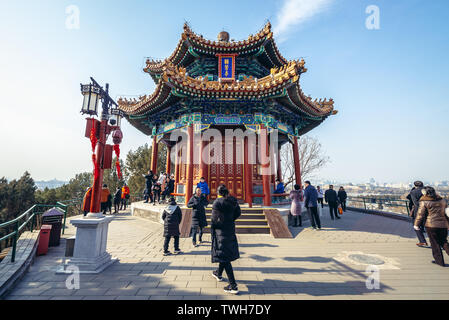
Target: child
pixel 156 193
pixel 172 217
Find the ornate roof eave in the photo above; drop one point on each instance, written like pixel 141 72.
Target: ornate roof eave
pixel 282 83
pixel 190 39
pixel 312 108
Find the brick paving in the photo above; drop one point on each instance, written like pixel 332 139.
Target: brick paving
pixel 306 267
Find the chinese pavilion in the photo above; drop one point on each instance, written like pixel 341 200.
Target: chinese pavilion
pixel 226 84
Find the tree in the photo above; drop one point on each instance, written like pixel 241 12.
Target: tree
pixel 15 198
pixel 311 159
pixel 110 177
pixel 138 164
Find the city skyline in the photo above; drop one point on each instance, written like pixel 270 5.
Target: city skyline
pixel 388 90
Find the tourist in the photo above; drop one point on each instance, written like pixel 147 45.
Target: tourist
pixel 331 198
pixel 157 193
pixel 296 207
pixel 117 199
pixel 106 199
pixel 415 195
pixel 147 195
pixel 148 186
pixel 320 196
pixel 87 201
pixel 172 217
pixel 311 203
pixel 125 196
pixel 279 190
pixel 162 178
pixel 342 197
pixel 431 212
pixel 198 203
pixel 169 188
pixel 204 187
pixel 225 248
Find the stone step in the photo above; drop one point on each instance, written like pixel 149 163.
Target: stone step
pixel 248 216
pixel 243 210
pixel 249 222
pixel 239 229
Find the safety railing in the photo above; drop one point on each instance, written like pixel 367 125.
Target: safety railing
pixel 380 204
pixel 31 218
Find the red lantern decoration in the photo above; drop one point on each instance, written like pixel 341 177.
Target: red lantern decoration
pixel 117 136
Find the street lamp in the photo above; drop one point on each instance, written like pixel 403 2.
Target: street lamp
pixel 91 95
pixel 117 116
pixel 98 131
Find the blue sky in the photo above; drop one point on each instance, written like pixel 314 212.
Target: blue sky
pixel 389 85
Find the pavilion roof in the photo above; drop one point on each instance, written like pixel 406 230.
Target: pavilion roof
pixel 282 85
pixel 192 45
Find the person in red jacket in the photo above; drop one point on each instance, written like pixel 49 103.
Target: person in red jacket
pixel 125 196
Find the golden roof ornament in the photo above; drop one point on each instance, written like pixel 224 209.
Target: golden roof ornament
pixel 223 36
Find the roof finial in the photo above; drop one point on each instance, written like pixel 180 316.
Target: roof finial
pixel 223 36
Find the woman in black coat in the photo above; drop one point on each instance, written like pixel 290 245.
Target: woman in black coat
pixel 198 203
pixel 342 196
pixel 172 217
pixel 225 248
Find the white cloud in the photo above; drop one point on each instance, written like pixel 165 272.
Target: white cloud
pixel 296 12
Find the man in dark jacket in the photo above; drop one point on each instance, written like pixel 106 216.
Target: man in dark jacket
pixel 198 203
pixel 311 203
pixel 117 199
pixel 225 248
pixel 415 195
pixel 331 197
pixel 342 197
pixel 172 217
pixel 148 186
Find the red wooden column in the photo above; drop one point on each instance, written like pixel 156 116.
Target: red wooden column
pixel 204 160
pixel 153 165
pixel 279 169
pixel 168 165
pixel 189 182
pixel 176 166
pixel 248 173
pixel 296 161
pixel 264 150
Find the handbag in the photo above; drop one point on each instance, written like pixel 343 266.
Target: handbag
pixel 340 210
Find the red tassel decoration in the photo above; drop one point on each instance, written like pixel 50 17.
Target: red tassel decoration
pixel 96 167
pixel 117 163
pixel 117 150
pixel 93 138
pixel 119 170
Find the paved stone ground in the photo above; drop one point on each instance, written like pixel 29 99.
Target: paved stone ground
pixel 310 266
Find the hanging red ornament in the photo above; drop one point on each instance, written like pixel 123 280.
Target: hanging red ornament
pixel 117 150
pixel 96 167
pixel 93 138
pixel 117 163
pixel 119 170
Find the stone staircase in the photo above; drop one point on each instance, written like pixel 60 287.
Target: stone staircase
pixel 251 221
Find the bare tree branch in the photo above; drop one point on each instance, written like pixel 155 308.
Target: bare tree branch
pixel 311 159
